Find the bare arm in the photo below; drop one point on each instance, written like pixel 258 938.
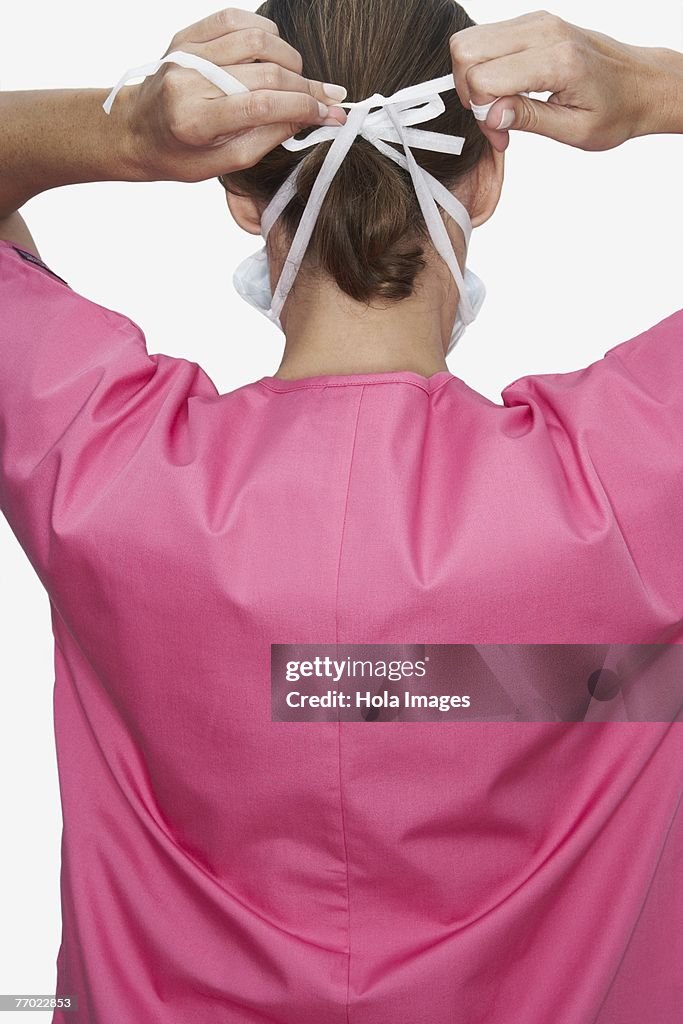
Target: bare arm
pixel 603 92
pixel 52 137
pixel 15 229
pixel 174 126
pixel 55 137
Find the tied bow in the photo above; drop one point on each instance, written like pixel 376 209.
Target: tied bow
pixel 393 121
pixel 411 106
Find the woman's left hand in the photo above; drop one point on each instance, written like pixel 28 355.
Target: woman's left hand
pixel 183 128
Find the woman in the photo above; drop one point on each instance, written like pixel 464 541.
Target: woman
pixel 219 865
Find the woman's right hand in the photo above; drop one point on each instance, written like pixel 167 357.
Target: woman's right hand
pixel 181 127
pixel 603 92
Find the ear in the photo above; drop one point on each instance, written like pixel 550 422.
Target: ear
pixel 488 187
pixel 245 212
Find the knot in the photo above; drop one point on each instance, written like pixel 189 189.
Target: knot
pixel 384 119
pixel 379 119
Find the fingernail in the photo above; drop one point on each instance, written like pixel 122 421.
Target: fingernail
pixel 335 92
pixel 506 121
pixel 323 110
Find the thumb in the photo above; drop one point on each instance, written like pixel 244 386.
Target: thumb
pixel 521 113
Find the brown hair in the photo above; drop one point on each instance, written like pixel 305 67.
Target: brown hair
pixel 369 233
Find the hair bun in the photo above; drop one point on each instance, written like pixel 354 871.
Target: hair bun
pixel 371 235
pixel 367 235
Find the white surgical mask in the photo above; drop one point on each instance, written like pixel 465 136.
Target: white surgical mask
pixel 252 283
pixel 380 120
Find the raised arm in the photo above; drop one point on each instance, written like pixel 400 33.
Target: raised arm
pixel 52 137
pixel 174 126
pixel 603 92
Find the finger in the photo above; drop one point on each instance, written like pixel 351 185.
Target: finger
pixel 481 43
pixel 246 45
pixel 221 23
pixel 475 45
pixel 250 148
pixel 272 76
pixel 500 140
pixel 545 69
pixel 554 121
pixel 231 115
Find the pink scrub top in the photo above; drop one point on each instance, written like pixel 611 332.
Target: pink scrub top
pixel 221 867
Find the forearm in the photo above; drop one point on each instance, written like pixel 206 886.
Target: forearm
pixel 661 91
pixel 53 137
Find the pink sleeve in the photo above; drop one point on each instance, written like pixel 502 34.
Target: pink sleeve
pixel 78 395
pixel 617 427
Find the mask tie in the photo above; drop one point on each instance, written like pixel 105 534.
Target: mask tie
pixel 481 110
pixel 392 122
pixel 217 76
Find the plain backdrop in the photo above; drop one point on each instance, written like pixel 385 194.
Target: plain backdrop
pixel 582 254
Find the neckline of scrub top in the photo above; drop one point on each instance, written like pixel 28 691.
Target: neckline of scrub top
pixel 428 384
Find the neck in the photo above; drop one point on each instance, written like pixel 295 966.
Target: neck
pixel 328 334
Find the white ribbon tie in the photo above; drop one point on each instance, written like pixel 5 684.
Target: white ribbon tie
pixel 379 119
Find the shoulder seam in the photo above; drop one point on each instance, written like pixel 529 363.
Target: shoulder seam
pixel 30 257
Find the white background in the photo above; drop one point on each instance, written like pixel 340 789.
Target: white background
pixel 583 253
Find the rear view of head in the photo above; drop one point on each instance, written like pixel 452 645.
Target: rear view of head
pixel 371 236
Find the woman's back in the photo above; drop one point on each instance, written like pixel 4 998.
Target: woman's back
pixel 217 862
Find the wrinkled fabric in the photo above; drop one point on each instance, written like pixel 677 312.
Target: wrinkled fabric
pixel 218 866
